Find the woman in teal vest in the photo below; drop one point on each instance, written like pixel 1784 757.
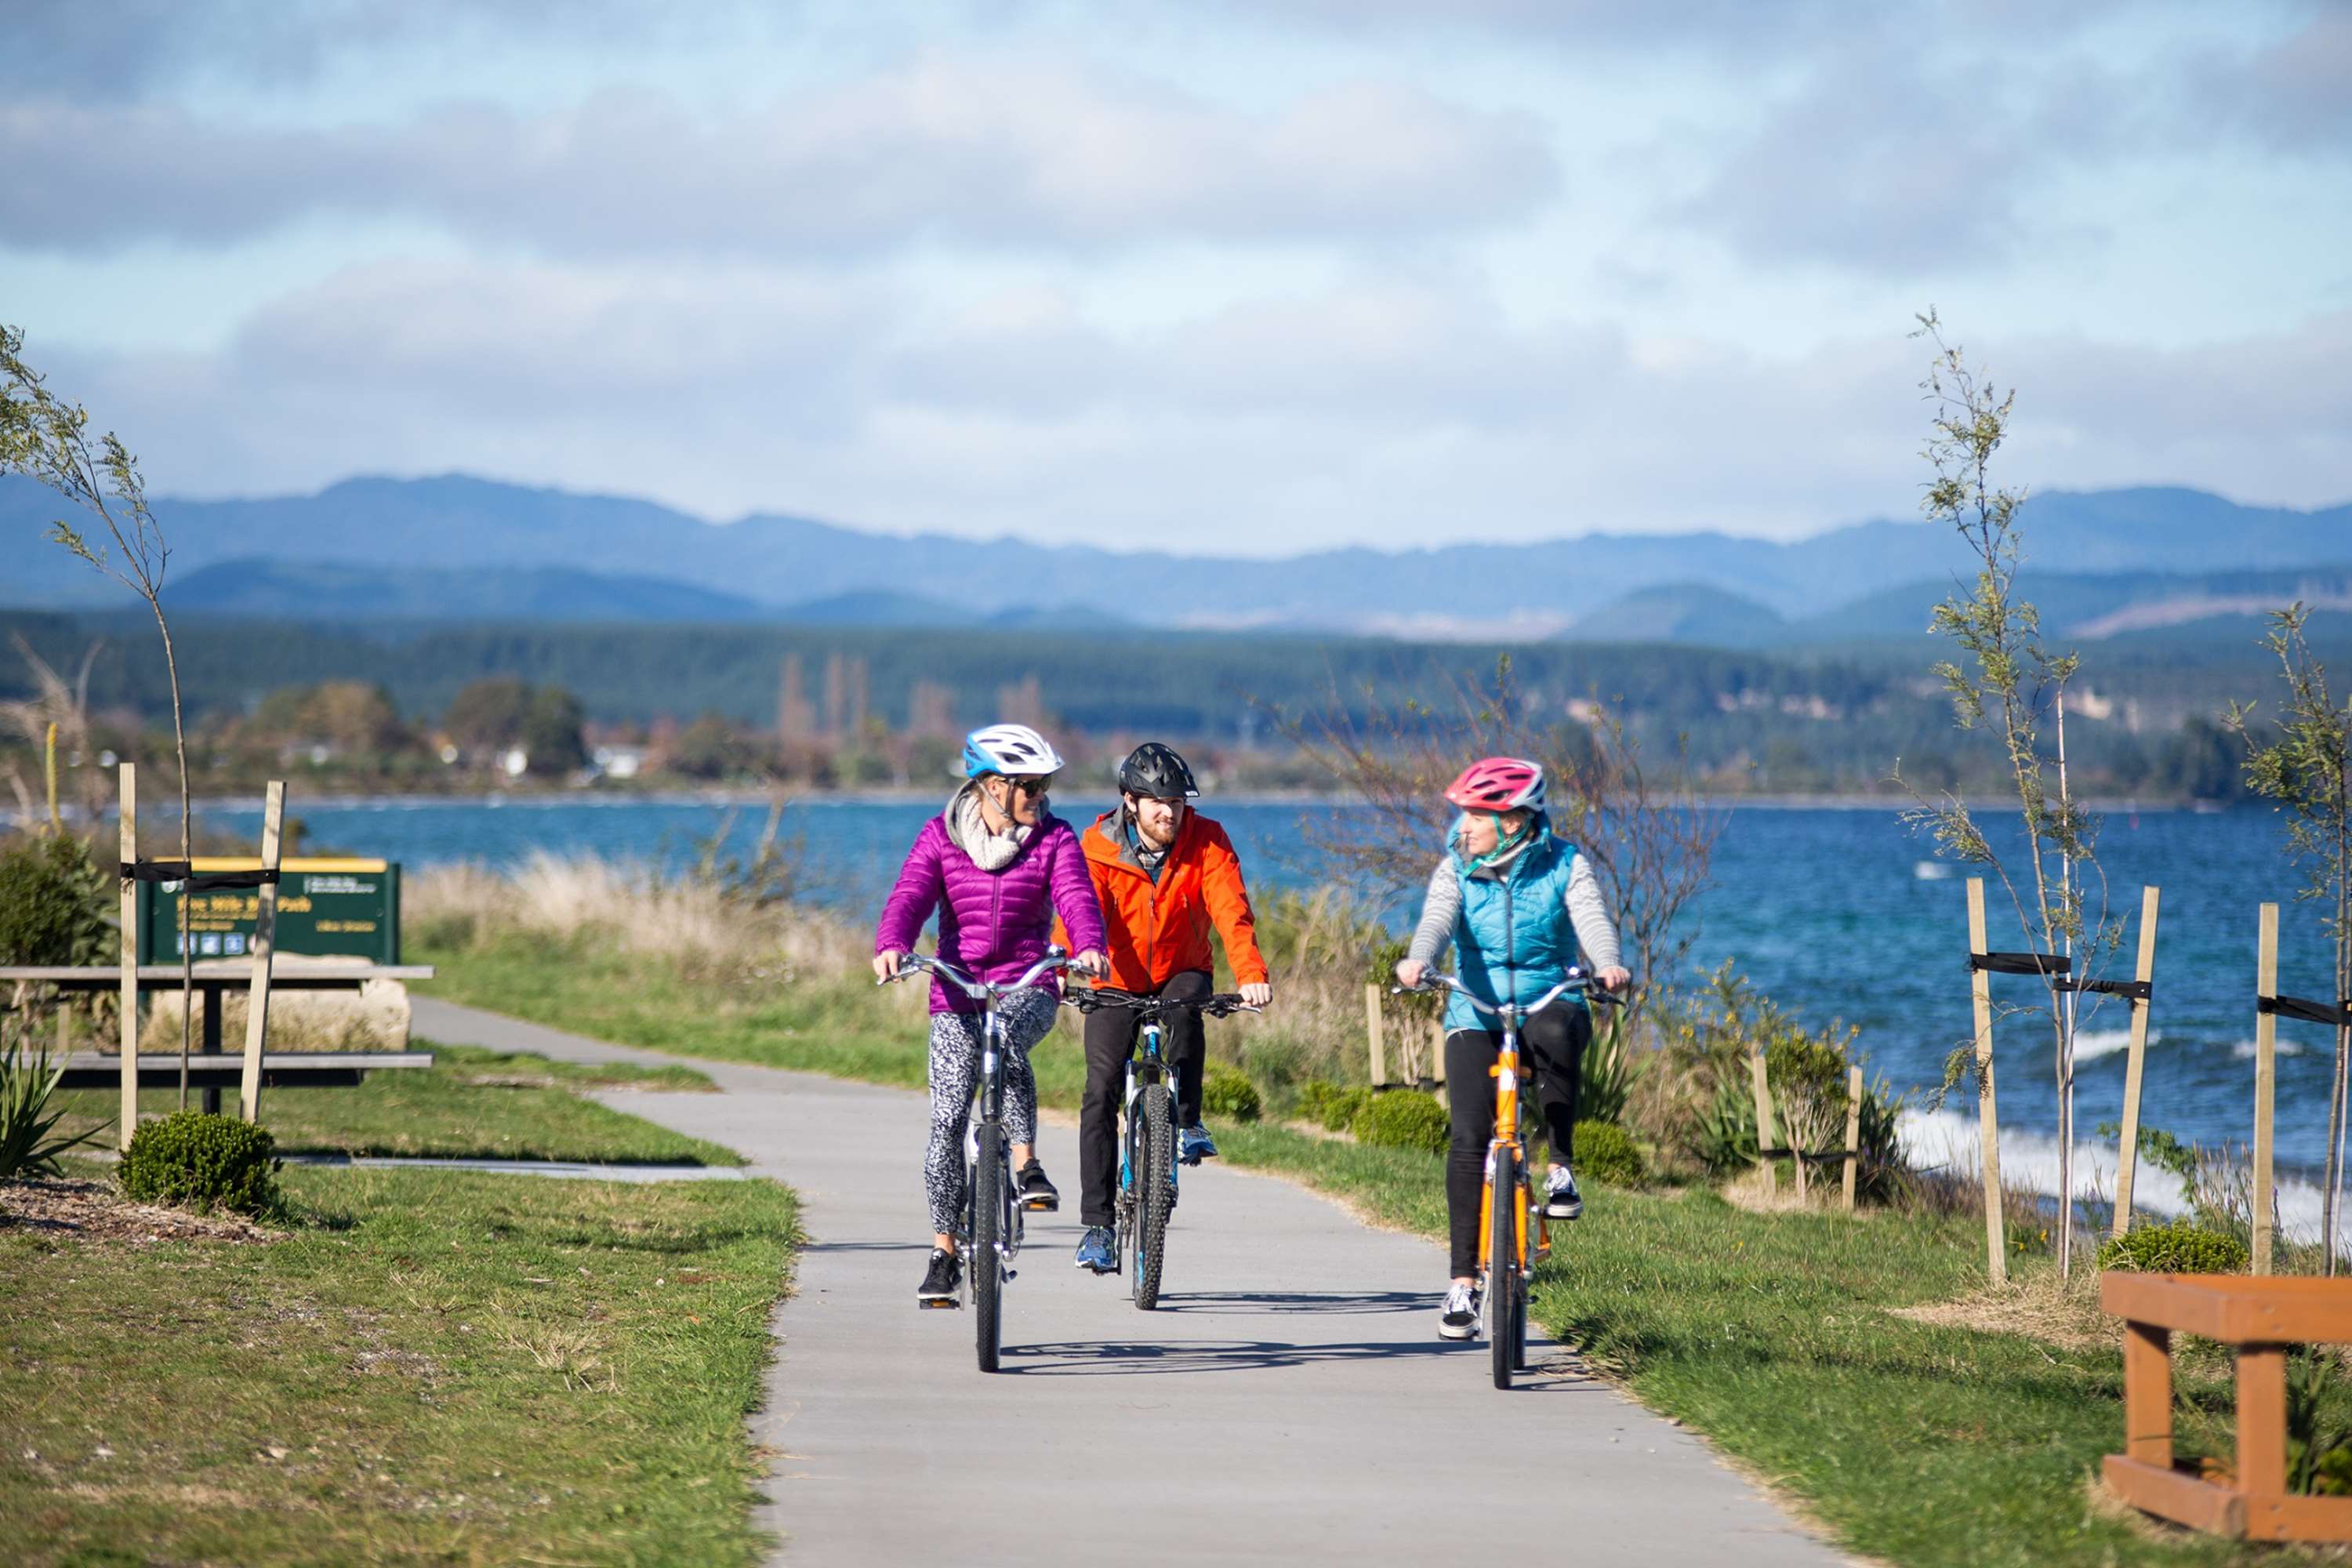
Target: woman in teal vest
pixel 1515 903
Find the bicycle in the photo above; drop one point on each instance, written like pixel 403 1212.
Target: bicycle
pixel 991 1238
pixel 1147 1153
pixel 1503 1232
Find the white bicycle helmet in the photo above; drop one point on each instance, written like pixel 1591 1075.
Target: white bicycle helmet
pixel 1009 749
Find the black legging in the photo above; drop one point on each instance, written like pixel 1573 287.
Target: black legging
pixel 1551 1050
pixel 1110 1040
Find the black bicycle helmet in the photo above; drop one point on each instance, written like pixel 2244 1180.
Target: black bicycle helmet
pixel 1154 770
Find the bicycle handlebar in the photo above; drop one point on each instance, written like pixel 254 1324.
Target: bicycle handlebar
pixel 1216 1006
pixel 980 990
pixel 1577 981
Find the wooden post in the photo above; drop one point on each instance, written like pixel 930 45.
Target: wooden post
pixel 1373 1029
pixel 2265 1087
pixel 264 943
pixel 1763 1091
pixel 1437 1050
pixel 2262 1420
pixel 2128 1156
pixel 1853 1131
pixel 1988 1115
pixel 128 835
pixel 2147 1393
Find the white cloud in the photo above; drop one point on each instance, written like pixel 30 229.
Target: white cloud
pixel 992 153
pixel 1394 411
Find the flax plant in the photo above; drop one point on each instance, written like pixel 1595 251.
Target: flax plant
pixel 45 438
pixel 2004 682
pixel 2307 768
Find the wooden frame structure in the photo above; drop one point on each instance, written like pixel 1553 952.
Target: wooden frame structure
pixel 2262 1317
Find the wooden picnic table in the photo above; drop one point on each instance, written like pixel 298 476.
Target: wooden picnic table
pixel 98 1069
pixel 2262 1316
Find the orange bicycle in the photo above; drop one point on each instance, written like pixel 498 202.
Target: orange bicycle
pixel 1507 1252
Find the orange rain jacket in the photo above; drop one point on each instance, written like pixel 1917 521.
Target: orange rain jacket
pixel 1160 930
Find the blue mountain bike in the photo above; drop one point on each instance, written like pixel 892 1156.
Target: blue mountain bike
pixel 1147 1161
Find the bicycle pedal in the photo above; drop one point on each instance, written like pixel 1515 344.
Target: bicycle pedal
pixel 948 1305
pixel 1041 1205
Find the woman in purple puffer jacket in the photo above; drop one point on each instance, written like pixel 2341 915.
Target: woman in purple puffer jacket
pixel 998 865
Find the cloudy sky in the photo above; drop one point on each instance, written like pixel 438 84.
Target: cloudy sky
pixel 1247 277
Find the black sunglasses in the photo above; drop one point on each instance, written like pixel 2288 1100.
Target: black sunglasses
pixel 1029 786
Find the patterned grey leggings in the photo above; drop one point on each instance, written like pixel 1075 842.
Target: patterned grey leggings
pixel 955 1078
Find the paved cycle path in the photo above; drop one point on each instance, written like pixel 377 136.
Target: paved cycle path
pixel 1288 1403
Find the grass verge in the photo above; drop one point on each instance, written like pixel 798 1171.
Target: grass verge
pixel 434 1367
pixel 471 1103
pixel 1775 1334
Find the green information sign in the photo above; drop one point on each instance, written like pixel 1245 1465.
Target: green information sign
pixel 326 908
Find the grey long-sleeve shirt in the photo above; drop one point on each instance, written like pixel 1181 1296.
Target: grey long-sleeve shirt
pixel 1595 931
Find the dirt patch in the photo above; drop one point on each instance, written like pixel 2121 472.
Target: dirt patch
pixel 2038 1307
pixel 93 1211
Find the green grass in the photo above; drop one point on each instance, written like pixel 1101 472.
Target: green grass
pixel 471 1103
pixel 1914 1443
pixel 444 1368
pixel 848 1031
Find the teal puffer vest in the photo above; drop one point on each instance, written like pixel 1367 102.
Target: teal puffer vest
pixel 1513 940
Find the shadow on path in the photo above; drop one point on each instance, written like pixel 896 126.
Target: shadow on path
pixel 1552 1373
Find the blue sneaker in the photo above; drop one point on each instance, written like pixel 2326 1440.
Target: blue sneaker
pixel 1194 1145
pixel 1097 1250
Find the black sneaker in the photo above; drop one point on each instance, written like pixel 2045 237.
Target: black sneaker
pixel 1036 1191
pixel 1458 1319
pixel 941 1281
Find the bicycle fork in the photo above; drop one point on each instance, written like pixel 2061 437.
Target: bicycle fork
pixel 1506 1073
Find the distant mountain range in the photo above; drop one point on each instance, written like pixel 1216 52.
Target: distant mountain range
pixel 456 548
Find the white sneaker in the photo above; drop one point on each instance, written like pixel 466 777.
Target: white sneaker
pixel 1458 1319
pixel 1561 1200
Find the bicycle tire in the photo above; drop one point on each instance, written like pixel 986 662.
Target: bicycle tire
pixel 1502 1264
pixel 987 1233
pixel 1520 1292
pixel 1158 1147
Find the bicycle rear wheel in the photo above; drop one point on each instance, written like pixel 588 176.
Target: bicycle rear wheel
pixel 1157 1146
pixel 1502 1265
pixel 987 1234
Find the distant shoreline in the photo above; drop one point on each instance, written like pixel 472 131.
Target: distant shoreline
pixel 739 799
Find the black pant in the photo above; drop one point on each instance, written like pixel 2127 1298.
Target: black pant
pixel 1551 1051
pixel 1110 1040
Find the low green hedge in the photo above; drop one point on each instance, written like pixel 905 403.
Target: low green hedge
pixel 201 1162
pixel 1330 1104
pixel 1604 1154
pixel 1405 1119
pixel 2179 1248
pixel 1227 1091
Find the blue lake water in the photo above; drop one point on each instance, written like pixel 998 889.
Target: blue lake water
pixel 1834 913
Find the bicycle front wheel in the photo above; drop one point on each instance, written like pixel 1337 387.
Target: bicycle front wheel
pixel 986 1264
pixel 1157 1146
pixel 1502 1265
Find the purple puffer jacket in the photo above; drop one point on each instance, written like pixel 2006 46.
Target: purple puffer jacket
pixel 992 924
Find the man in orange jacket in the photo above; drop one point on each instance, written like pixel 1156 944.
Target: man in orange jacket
pixel 1164 874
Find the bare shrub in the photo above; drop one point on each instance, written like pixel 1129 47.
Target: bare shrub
pixel 1648 834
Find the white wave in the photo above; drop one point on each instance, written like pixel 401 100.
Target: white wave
pixel 2090 1044
pixel 1931 870
pixel 2244 1050
pixel 1948 1140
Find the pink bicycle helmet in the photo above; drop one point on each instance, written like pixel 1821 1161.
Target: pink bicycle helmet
pixel 1499 783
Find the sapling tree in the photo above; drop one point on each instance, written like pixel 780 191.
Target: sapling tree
pixel 2005 682
pixel 46 437
pixel 2304 762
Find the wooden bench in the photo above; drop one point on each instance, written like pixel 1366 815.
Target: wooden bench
pixel 97 1069
pixel 2262 1317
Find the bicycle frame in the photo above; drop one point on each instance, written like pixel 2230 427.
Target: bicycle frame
pixel 1506 1076
pixel 990 994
